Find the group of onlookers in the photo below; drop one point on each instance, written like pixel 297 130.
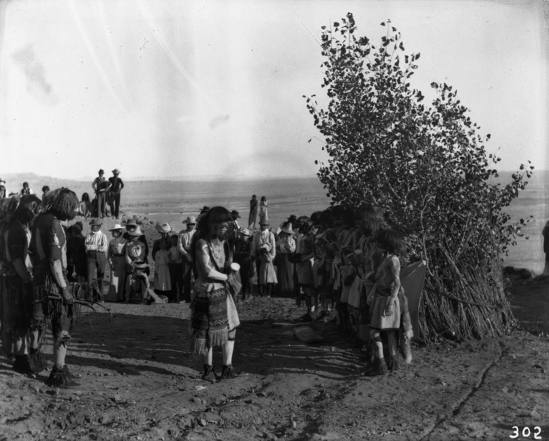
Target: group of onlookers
pixel 107 194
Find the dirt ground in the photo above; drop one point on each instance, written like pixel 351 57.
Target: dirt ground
pixel 138 381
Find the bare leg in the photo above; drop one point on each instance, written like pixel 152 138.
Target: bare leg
pixel 228 349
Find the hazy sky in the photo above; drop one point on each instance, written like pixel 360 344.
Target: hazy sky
pixel 178 88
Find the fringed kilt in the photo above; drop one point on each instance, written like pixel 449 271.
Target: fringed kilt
pixel 17 307
pixel 209 321
pixel 49 308
pixel 380 321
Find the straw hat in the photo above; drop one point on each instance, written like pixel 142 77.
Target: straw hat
pixel 117 227
pixel 96 223
pixel 190 220
pixel 116 171
pixel 136 232
pixel 288 229
pixel 245 232
pixel 164 228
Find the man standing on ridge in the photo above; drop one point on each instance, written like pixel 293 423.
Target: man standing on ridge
pixel 100 185
pixel 116 187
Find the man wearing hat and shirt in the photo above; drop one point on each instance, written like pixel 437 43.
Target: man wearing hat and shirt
pixel 100 185
pixel 116 187
pixel 96 253
pixel 184 243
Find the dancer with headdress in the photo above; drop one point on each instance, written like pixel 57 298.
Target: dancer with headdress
pixel 18 333
pixel 214 317
pixel 53 300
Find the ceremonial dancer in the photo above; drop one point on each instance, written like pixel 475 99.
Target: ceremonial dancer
pixel 214 317
pixel 18 333
pixel 53 301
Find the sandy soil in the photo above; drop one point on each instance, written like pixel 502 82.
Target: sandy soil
pixel 138 381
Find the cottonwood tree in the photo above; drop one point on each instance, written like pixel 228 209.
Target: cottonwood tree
pixel 427 166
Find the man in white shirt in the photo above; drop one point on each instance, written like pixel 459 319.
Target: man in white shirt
pixel 184 243
pixel 96 253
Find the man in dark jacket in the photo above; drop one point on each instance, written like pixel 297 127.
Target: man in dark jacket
pixel 116 187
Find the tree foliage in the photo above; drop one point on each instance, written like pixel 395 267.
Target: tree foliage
pixel 426 165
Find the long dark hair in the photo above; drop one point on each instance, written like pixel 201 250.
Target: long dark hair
pixel 27 208
pixel 61 202
pixel 391 240
pixel 215 216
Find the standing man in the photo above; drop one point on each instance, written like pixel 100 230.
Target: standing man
pixel 184 243
pixel 116 187
pixel 53 300
pixel 253 212
pixel 100 185
pixel 96 253
pixel 26 189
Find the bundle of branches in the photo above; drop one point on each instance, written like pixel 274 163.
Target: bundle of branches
pixel 427 166
pixel 461 302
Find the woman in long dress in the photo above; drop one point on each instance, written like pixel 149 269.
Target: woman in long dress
pixel 213 313
pixel 265 251
pixel 285 246
pixel 116 257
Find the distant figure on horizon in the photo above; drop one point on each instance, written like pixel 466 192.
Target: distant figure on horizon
pixel 45 189
pixel 263 213
pixel 26 189
pixel 100 185
pixel 253 212
pixel 116 187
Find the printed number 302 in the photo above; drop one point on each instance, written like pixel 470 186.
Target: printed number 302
pixel 526 432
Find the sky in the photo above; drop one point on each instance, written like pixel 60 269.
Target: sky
pixel 160 88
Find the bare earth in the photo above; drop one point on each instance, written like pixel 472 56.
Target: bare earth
pixel 138 381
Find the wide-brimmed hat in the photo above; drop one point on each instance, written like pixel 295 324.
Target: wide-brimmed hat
pixel 245 232
pixel 190 220
pixel 264 222
pixel 292 218
pixel 101 171
pixel 96 222
pixel 164 228
pixel 117 227
pixel 116 171
pixel 204 209
pixel 136 232
pixel 130 223
pixel 235 214
pixel 287 229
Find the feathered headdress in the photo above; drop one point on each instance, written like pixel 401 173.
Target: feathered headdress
pixel 61 202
